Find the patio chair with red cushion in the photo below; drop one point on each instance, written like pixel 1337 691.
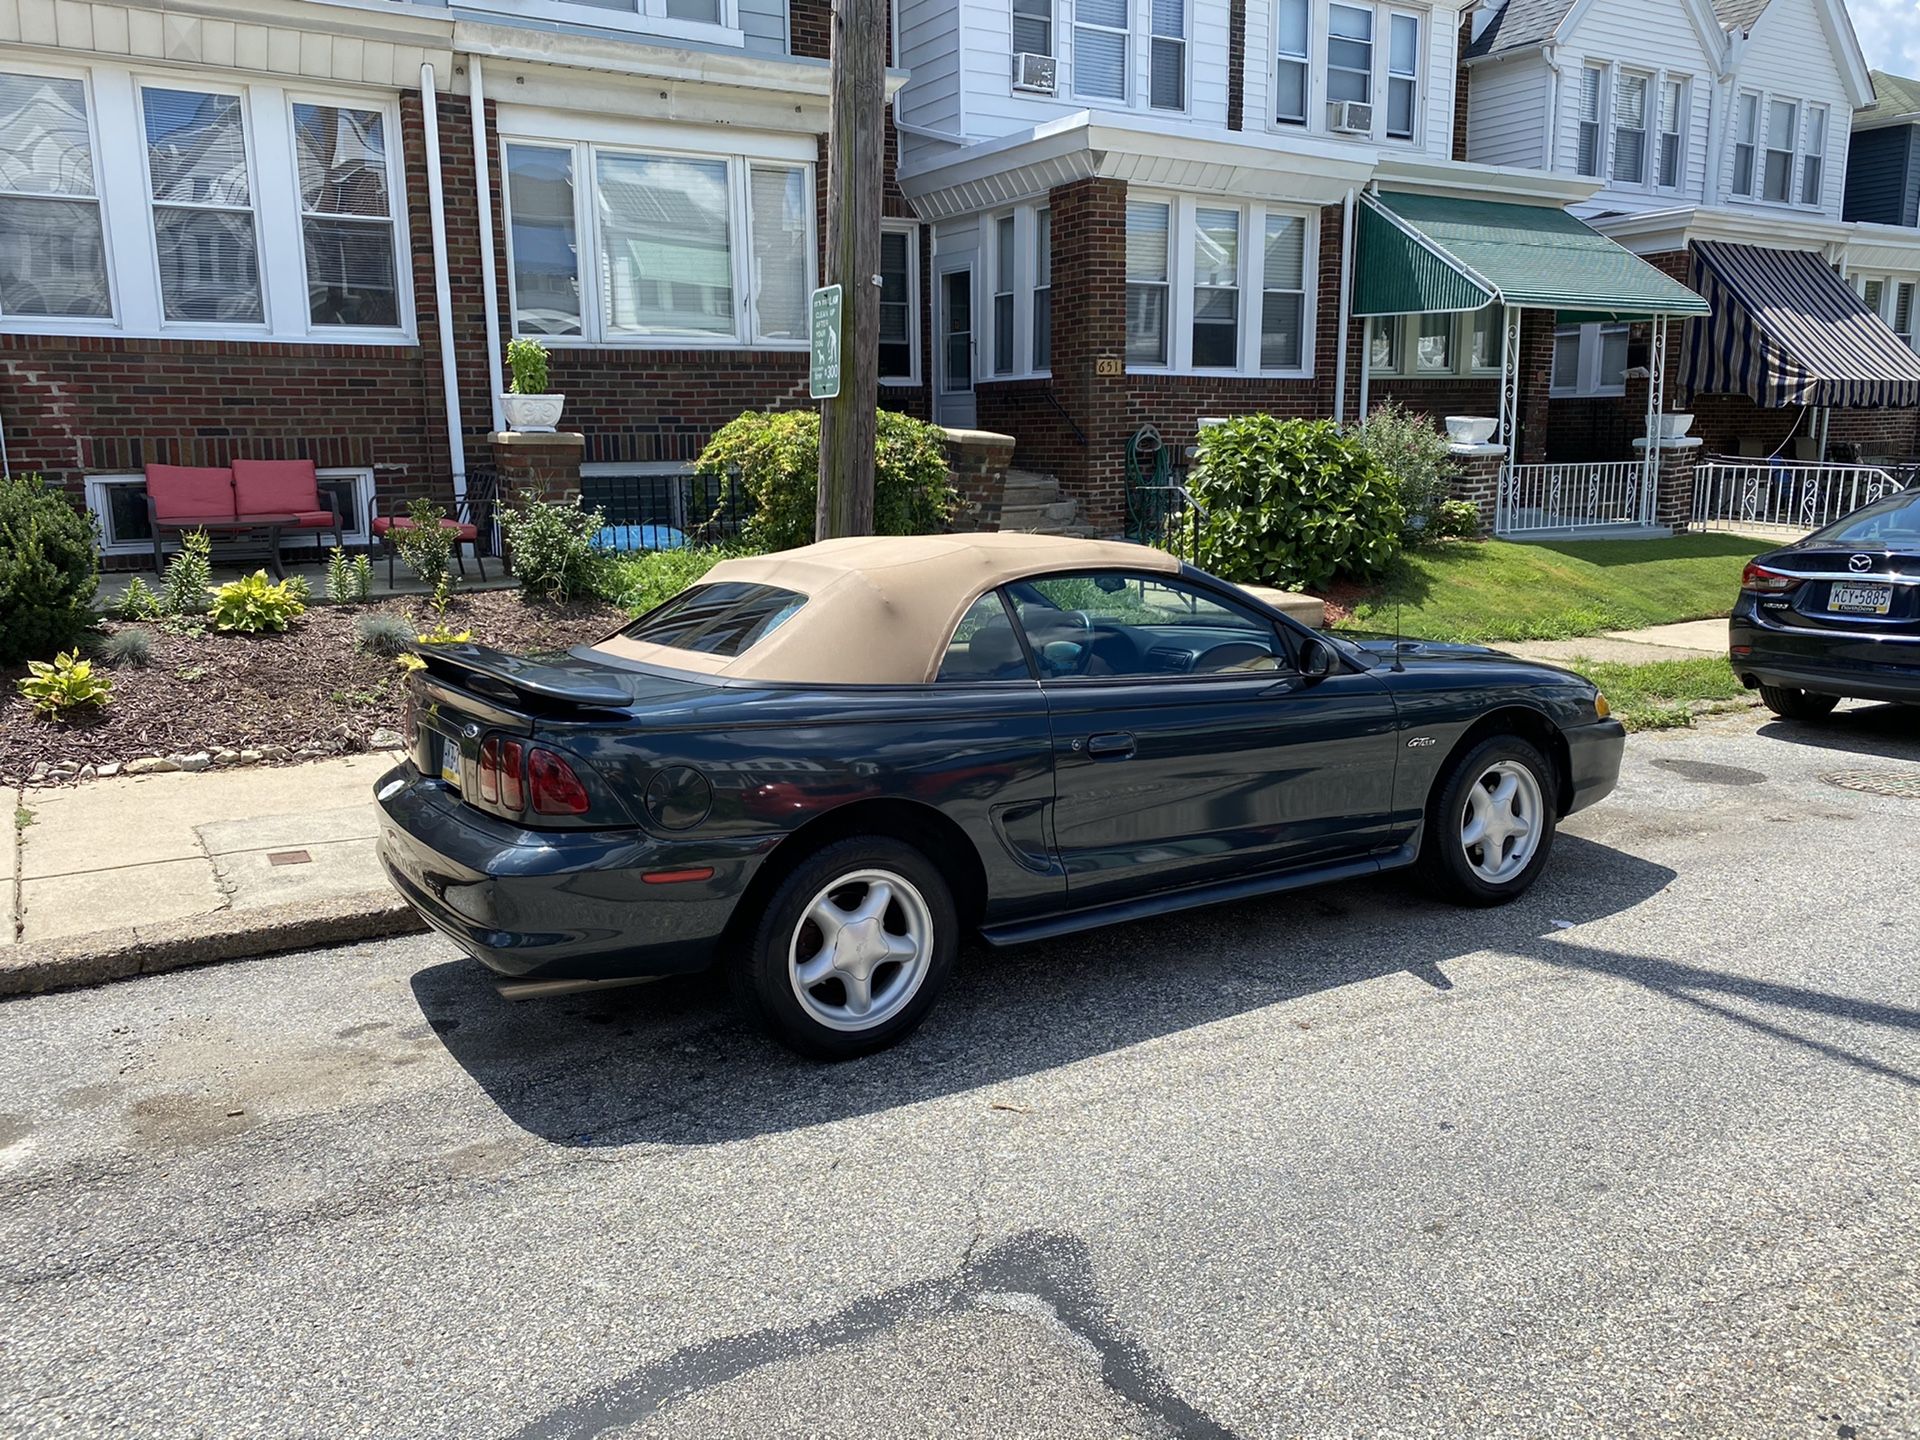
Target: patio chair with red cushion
pixel 463 530
pixel 287 491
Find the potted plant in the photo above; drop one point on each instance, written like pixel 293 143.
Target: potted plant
pixel 1675 424
pixel 528 404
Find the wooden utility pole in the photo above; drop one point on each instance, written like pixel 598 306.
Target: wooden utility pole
pixel 856 140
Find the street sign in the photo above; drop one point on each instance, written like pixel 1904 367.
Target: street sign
pixel 823 379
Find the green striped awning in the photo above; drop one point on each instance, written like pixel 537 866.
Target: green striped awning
pixel 1422 254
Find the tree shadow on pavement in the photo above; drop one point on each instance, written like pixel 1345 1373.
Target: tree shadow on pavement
pixel 1889 732
pixel 671 1063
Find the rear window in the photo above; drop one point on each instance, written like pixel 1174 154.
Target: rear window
pixel 1893 522
pixel 720 619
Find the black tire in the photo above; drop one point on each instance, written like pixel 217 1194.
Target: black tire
pixel 1791 704
pixel 762 974
pixel 1446 864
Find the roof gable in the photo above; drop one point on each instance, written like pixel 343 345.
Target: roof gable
pixel 1518 25
pixel 1738 14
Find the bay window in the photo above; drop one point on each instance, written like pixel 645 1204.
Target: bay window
pixel 1783 123
pixel 1813 150
pixel 1100 30
pixel 899 307
pixel 708 249
pixel 1290 78
pixel 1435 345
pixel 1673 109
pixel 1043 290
pixel 346 216
pixel 1167 80
pixel 1403 70
pixel 1746 140
pixel 1003 280
pixel 1217 286
pixel 1591 139
pixel 201 195
pixel 1630 130
pixel 53 258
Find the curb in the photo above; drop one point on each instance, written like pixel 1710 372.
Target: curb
pixel 126 954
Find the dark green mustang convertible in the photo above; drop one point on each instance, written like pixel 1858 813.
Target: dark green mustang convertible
pixel 822 768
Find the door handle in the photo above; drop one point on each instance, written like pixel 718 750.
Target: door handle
pixel 1115 745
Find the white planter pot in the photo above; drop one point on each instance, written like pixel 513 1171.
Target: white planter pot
pixel 1674 427
pixel 1471 429
pixel 538 413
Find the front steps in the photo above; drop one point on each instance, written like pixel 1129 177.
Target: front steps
pixel 1032 503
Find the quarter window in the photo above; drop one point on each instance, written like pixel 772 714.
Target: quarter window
pixel 346 217
pixel 53 259
pixel 985 646
pixel 202 194
pixel 1290 77
pixel 1100 49
pixel 1147 236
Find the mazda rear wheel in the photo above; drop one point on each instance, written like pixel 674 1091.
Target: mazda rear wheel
pixel 1791 704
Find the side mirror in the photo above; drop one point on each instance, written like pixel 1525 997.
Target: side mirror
pixel 1316 659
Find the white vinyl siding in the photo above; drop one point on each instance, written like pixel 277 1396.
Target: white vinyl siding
pixel 1506 115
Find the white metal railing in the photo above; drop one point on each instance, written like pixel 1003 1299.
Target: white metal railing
pixel 1782 495
pixel 1571 496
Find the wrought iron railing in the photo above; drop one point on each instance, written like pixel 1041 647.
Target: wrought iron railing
pixel 664 512
pixel 1783 495
pixel 1169 518
pixel 1571 496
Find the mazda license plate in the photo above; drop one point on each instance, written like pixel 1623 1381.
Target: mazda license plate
pixel 1850 598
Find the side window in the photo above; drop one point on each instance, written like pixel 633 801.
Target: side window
pixel 984 646
pixel 1117 624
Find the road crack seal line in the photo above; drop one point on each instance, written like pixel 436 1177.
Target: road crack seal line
pixel 1043 1275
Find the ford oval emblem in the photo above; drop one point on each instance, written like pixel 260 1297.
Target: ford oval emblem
pixel 471 731
pixel 1859 564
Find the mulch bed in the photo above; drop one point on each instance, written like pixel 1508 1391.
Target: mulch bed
pixel 310 692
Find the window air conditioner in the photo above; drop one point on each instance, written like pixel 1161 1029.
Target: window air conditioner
pixel 1033 72
pixel 1349 117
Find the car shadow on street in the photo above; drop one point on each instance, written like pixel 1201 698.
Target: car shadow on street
pixel 1888 732
pixel 672 1063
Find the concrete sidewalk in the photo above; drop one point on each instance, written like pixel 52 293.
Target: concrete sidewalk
pixel 1688 640
pixel 139 864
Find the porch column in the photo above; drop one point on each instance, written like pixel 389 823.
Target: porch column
pixel 538 466
pixel 1656 402
pixel 1476 478
pixel 1510 333
pixel 1674 461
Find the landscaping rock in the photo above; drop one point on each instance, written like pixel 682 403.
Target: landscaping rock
pixel 251 757
pixel 150 765
pixel 386 738
pixel 40 772
pixel 226 757
pixel 274 752
pixel 67 767
pixel 109 770
pixel 87 772
pixel 198 760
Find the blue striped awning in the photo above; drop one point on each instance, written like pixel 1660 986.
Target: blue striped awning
pixel 1787 330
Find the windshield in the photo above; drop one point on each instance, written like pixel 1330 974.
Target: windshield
pixel 1892 524
pixel 720 619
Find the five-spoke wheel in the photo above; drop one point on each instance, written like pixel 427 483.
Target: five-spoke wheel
pixel 1490 822
pixel 861 949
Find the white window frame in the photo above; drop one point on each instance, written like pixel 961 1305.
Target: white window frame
pixel 1184 40
pixel 1409 77
pixel 1763 102
pixel 1053 29
pixel 1128 51
pixel 1381 75
pixel 1020 286
pixel 1587 384
pixel 1004 286
pixel 1886 304
pixel 396 212
pixel 910 229
pixel 1649 98
pixel 648 17
pixel 1752 145
pixel 250 138
pixel 1252 283
pixel 1683 104
pixel 615 138
pixel 1406 333
pixel 1768 149
pixel 1035 288
pixel 1303 58
pixel 1818 158
pixel 355 523
pixel 1600 122
pixel 108 324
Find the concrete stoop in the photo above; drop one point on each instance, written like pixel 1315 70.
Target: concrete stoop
pixel 1032 503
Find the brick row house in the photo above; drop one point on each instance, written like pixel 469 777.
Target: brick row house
pixel 308 227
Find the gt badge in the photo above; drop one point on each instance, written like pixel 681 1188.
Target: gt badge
pixel 1417 741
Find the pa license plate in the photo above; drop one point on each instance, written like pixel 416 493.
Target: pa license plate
pixel 1859 599
pixel 450 761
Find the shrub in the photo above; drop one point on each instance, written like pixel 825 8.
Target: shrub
pixel 552 547
pixel 426 545
pixel 49 569
pixel 774 456
pixel 138 602
pixel 384 633
pixel 127 647
pixel 254 605
pixel 527 359
pixel 65 685
pixel 349 578
pixel 1414 456
pixel 1454 520
pixel 638 583
pixel 1291 503
pixel 185 588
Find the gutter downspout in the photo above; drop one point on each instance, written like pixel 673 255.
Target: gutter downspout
pixel 1548 141
pixel 1346 310
pixel 442 297
pixel 483 185
pixel 925 132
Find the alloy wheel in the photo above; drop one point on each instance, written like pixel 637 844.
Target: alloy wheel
pixel 1500 827
pixel 861 950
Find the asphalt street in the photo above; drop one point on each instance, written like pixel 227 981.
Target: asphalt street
pixel 1637 1156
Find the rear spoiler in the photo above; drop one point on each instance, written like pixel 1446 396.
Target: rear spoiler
pixel 550 682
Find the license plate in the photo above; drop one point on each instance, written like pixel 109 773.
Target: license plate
pixel 450 761
pixel 1852 599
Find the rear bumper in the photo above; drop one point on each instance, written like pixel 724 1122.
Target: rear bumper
pixel 554 905
pixel 1593 755
pixel 1856 666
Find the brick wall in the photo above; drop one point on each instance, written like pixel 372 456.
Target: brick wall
pixel 1236 64
pixel 810 28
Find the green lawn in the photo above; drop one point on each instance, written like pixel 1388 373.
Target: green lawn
pixel 1665 694
pixel 1493 590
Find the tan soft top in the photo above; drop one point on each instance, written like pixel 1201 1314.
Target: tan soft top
pixel 880 609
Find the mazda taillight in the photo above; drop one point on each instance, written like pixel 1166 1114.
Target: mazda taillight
pixel 500 771
pixel 554 788
pixel 1766 582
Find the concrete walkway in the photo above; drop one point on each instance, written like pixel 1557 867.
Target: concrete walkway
pixel 1688 640
pixel 131 853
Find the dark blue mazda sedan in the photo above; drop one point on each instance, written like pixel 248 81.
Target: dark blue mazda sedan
pixel 821 769
pixel 1835 616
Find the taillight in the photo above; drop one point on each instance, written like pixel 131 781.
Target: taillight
pixel 555 789
pixel 1765 581
pixel 499 773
